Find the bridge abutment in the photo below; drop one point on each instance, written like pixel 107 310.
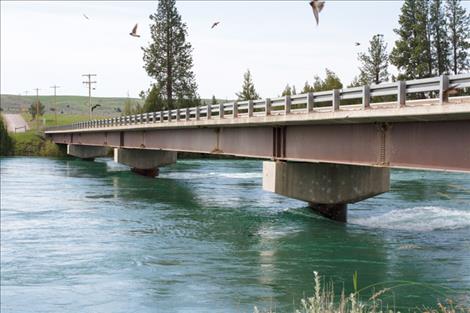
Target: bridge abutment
pixel 328 188
pixel 144 162
pixel 86 152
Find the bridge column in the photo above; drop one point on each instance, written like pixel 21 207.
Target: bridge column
pixel 328 188
pixel 144 162
pixel 86 152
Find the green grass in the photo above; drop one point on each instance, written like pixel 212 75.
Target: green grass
pixel 324 300
pixel 50 119
pixel 31 143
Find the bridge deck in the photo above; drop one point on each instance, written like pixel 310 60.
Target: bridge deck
pixel 424 134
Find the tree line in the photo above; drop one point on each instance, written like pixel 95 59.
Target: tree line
pixel 433 39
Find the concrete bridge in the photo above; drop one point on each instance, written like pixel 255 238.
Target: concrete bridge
pixel 327 148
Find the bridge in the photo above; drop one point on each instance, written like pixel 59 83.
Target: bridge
pixel 328 148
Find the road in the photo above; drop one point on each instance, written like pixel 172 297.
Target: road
pixel 15 123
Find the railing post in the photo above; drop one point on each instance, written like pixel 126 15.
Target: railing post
pixel 365 97
pixel 336 100
pixel 287 104
pixel 443 86
pixel 187 114
pixel 250 108
pixel 401 93
pixel 221 110
pixel 235 110
pixel 267 106
pixel 177 114
pixel 162 118
pixel 198 112
pixel 309 102
pixel 209 111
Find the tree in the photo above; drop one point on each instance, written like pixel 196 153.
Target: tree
pixel 440 38
pixel 33 109
pixel 6 143
pixel 294 91
pixel 214 100
pixel 459 32
pixel 412 51
pixel 330 82
pixel 287 91
pixel 153 101
pixel 374 64
pixel 248 91
pixel 168 57
pixel 307 88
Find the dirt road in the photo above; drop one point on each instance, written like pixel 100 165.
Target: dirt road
pixel 15 123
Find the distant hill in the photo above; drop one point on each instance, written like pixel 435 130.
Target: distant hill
pixel 65 104
pixel 76 105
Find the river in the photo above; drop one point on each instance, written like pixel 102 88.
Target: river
pixel 80 236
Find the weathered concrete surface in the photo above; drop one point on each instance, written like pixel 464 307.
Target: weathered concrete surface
pixel 144 162
pixel 325 185
pixel 87 152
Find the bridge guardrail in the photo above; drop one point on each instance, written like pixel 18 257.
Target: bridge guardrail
pixel 304 103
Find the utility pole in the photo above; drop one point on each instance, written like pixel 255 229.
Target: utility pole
pixel 37 108
pixel 55 102
pixel 89 83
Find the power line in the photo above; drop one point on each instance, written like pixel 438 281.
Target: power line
pixel 89 83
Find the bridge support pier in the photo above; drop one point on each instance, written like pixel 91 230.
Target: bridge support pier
pixel 144 162
pixel 86 152
pixel 328 188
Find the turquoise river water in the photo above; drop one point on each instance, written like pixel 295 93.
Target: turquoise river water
pixel 81 236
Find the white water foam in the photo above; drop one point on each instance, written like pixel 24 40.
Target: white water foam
pixel 419 219
pixel 188 176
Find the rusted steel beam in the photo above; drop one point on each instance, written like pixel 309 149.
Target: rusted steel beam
pixel 437 145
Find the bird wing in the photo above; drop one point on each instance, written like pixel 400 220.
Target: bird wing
pixel 86 16
pixel 320 5
pixel 215 24
pixel 134 30
pixel 315 13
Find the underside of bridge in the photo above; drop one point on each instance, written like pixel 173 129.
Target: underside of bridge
pixel 327 165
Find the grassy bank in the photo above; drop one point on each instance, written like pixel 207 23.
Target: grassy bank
pixel 324 299
pixel 32 144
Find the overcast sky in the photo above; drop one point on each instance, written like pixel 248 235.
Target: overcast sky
pixel 50 42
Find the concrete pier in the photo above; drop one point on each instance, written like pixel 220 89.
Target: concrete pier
pixel 328 188
pixel 87 152
pixel 144 162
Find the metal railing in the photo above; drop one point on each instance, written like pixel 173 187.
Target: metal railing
pixel 303 103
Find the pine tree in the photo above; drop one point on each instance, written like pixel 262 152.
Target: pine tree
pixel 153 101
pixel 374 64
pixel 168 57
pixel 459 31
pixel 412 51
pixel 330 82
pixel 307 88
pixel 287 91
pixel 248 91
pixel 33 109
pixel 294 91
pixel 440 38
pixel 214 100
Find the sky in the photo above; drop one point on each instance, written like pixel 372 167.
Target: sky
pixel 46 43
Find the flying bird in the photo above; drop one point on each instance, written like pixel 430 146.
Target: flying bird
pixel 317 6
pixel 84 15
pixel 357 43
pixel 452 90
pixel 95 106
pixel 215 24
pixel 134 31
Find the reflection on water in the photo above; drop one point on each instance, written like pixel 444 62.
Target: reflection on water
pixel 92 237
